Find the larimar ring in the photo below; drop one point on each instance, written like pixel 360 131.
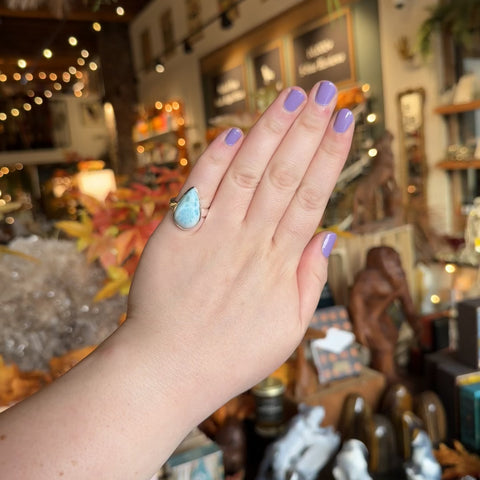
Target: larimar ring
pixel 186 210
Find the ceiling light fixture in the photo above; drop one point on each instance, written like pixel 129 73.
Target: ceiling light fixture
pixel 225 21
pixel 187 46
pixel 159 66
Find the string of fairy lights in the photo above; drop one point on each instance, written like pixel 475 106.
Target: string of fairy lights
pixel 72 78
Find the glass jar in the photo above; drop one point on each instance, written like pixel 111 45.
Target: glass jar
pixel 269 406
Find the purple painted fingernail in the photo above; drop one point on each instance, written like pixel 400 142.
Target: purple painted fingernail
pixel 325 93
pixel 233 136
pixel 294 99
pixel 343 120
pixel 328 243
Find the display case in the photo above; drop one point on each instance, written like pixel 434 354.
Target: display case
pixel 462 159
pixel 160 135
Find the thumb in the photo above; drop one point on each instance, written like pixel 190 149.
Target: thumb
pixel 312 273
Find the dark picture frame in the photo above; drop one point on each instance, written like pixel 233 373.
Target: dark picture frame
pixel 323 50
pixel 226 92
pixel 268 64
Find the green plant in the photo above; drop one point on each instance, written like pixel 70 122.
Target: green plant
pixel 460 18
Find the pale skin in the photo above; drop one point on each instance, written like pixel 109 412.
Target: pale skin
pixel 212 310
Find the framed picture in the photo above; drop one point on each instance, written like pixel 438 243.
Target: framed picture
pixel 166 25
pixel 225 92
pixel 60 125
pixel 268 67
pixel 268 78
pixel 146 49
pixel 92 114
pixel 324 51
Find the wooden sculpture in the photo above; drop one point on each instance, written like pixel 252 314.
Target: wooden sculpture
pixel 375 288
pixel 377 202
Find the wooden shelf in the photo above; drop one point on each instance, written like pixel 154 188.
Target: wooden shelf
pixel 158 137
pixel 457 108
pixel 459 164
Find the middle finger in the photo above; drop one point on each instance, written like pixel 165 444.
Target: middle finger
pixel 292 158
pixel 247 168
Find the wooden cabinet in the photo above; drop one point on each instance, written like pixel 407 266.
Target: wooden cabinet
pixel 461 165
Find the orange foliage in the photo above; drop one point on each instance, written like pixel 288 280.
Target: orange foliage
pixel 115 232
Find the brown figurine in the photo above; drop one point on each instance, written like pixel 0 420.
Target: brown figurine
pixel 377 202
pixel 380 283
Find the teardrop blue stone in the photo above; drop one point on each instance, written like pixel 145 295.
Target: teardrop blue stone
pixel 187 211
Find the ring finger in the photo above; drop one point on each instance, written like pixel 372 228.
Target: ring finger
pixel 210 169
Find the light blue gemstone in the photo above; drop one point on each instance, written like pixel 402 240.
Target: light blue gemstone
pixel 187 212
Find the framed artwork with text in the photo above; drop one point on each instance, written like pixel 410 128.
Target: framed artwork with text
pixel 324 51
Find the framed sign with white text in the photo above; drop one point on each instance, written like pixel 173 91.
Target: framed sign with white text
pixel 324 51
pixel 227 92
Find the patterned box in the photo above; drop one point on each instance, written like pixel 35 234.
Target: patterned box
pixel 470 415
pixel 334 366
pixel 325 318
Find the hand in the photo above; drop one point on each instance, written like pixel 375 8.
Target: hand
pixel 212 310
pixel 236 293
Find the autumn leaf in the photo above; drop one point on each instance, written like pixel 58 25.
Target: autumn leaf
pixel 74 228
pixel 115 232
pixel 99 247
pixel 82 230
pixel 457 462
pixel 119 282
pixel 148 208
pixel 124 244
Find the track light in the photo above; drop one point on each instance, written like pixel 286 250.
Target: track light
pixel 187 46
pixel 159 66
pixel 225 20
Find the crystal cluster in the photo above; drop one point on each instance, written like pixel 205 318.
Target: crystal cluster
pixel 47 307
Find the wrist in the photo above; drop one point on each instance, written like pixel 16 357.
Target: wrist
pixel 168 367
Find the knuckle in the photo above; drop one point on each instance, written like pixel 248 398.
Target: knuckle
pixel 246 179
pixel 273 125
pixel 310 197
pixel 283 178
pixel 292 231
pixel 215 158
pixel 330 149
pixel 309 122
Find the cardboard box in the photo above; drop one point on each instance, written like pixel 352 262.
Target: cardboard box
pixel 370 384
pixel 468 325
pixel 470 415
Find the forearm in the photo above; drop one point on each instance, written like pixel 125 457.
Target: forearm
pixel 118 414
